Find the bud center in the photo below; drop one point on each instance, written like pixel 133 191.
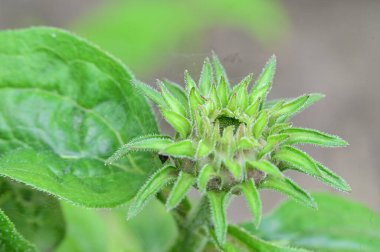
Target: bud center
pixel 225 121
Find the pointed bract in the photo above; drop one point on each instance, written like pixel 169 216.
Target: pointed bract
pixel 298 160
pixel 206 79
pixel 154 143
pixel 218 201
pixel 252 197
pixel 180 123
pixel 154 184
pixel 180 189
pixel 267 167
pixel 290 189
pixel 182 148
pixel 265 79
pixel 311 136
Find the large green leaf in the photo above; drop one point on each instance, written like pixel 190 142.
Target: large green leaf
pixel 65 106
pixel 36 215
pixel 339 225
pixel 10 239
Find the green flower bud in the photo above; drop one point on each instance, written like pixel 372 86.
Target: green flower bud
pixel 230 141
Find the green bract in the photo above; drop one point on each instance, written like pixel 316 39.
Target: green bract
pixel 229 140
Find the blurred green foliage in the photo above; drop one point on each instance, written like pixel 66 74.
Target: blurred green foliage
pixel 91 230
pixel 143 33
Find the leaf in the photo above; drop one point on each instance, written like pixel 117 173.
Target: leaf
pixel 180 189
pixel 154 184
pixel 183 148
pixel 246 242
pixel 66 106
pixel 339 225
pixel 10 239
pixel 267 167
pixel 154 143
pixel 218 200
pixel 298 160
pixel 311 136
pixel 289 188
pixel 252 197
pixel 36 215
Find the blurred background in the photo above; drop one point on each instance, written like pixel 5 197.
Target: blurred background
pixel 332 47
